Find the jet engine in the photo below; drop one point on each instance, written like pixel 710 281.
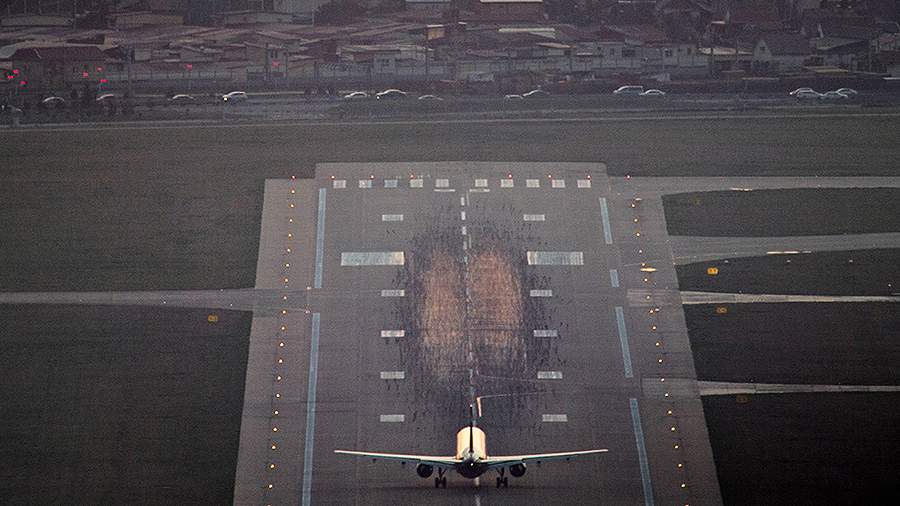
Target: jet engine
pixel 517 470
pixel 424 470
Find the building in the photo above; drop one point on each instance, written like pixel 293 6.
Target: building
pixel 58 66
pixel 435 6
pixel 776 52
pixel 509 10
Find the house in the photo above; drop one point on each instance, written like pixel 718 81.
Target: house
pixel 56 66
pixel 126 20
pixel 509 10
pixel 780 51
pixel 435 6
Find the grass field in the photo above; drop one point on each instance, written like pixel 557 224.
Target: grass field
pixel 804 211
pixel 835 343
pixel 120 405
pixel 806 449
pixel 180 207
pixel 862 272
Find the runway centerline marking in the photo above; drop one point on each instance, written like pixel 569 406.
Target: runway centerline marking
pixel 393 333
pixel 393 293
pixel 604 215
pixel 614 278
pixel 391 217
pixel 320 239
pixel 310 411
pixel 545 333
pixel 555 418
pixel 623 340
pixel 552 375
pixel 534 217
pixel 642 452
pixel 392 375
pixel 541 293
pixel 392 418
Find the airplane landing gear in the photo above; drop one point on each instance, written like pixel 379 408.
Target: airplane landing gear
pixel 440 481
pixel 502 480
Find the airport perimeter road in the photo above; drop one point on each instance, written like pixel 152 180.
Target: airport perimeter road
pixel 436 283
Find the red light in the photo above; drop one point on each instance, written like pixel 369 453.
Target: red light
pixel 293 177
pixel 371 176
pixel 275 64
pixel 104 81
pixel 509 176
pixel 10 76
pixel 332 177
pixel 99 69
pixel 189 66
pixel 589 176
pixel 23 83
pixel 84 74
pixel 16 71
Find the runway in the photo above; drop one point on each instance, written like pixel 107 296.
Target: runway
pixel 434 283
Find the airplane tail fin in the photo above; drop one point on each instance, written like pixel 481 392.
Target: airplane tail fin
pixel 471 427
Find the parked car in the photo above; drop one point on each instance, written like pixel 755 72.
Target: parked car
pixel 653 93
pixel 182 98
pixel 808 95
pixel 390 94
pixel 54 101
pixel 356 95
pixel 833 95
pixel 430 97
pixel 630 89
pixel 513 97
pixel 850 92
pixel 235 96
pixel 536 94
pixel 800 90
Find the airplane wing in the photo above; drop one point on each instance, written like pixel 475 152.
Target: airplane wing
pixel 415 459
pixel 507 460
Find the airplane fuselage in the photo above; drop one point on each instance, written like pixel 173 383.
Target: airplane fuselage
pixel 471 448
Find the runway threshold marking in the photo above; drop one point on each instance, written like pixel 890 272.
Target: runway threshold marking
pixel 604 215
pixel 320 239
pixel 623 340
pixel 642 452
pixel 310 411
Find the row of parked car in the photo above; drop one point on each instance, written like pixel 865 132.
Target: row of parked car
pixel 811 94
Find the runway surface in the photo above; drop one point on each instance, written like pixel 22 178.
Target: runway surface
pixel 435 283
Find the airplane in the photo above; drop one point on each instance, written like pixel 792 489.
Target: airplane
pixel 471 459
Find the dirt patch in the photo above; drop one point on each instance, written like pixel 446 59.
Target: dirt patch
pixel 862 272
pixel 804 211
pixel 120 405
pixel 836 449
pixel 850 344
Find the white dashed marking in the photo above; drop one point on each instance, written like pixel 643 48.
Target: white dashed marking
pixel 558 183
pixel 415 183
pixel 532 183
pixel 584 183
pixel 339 184
pixel 390 183
pixel 506 183
pixel 441 183
pixel 365 183
pixel 481 183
